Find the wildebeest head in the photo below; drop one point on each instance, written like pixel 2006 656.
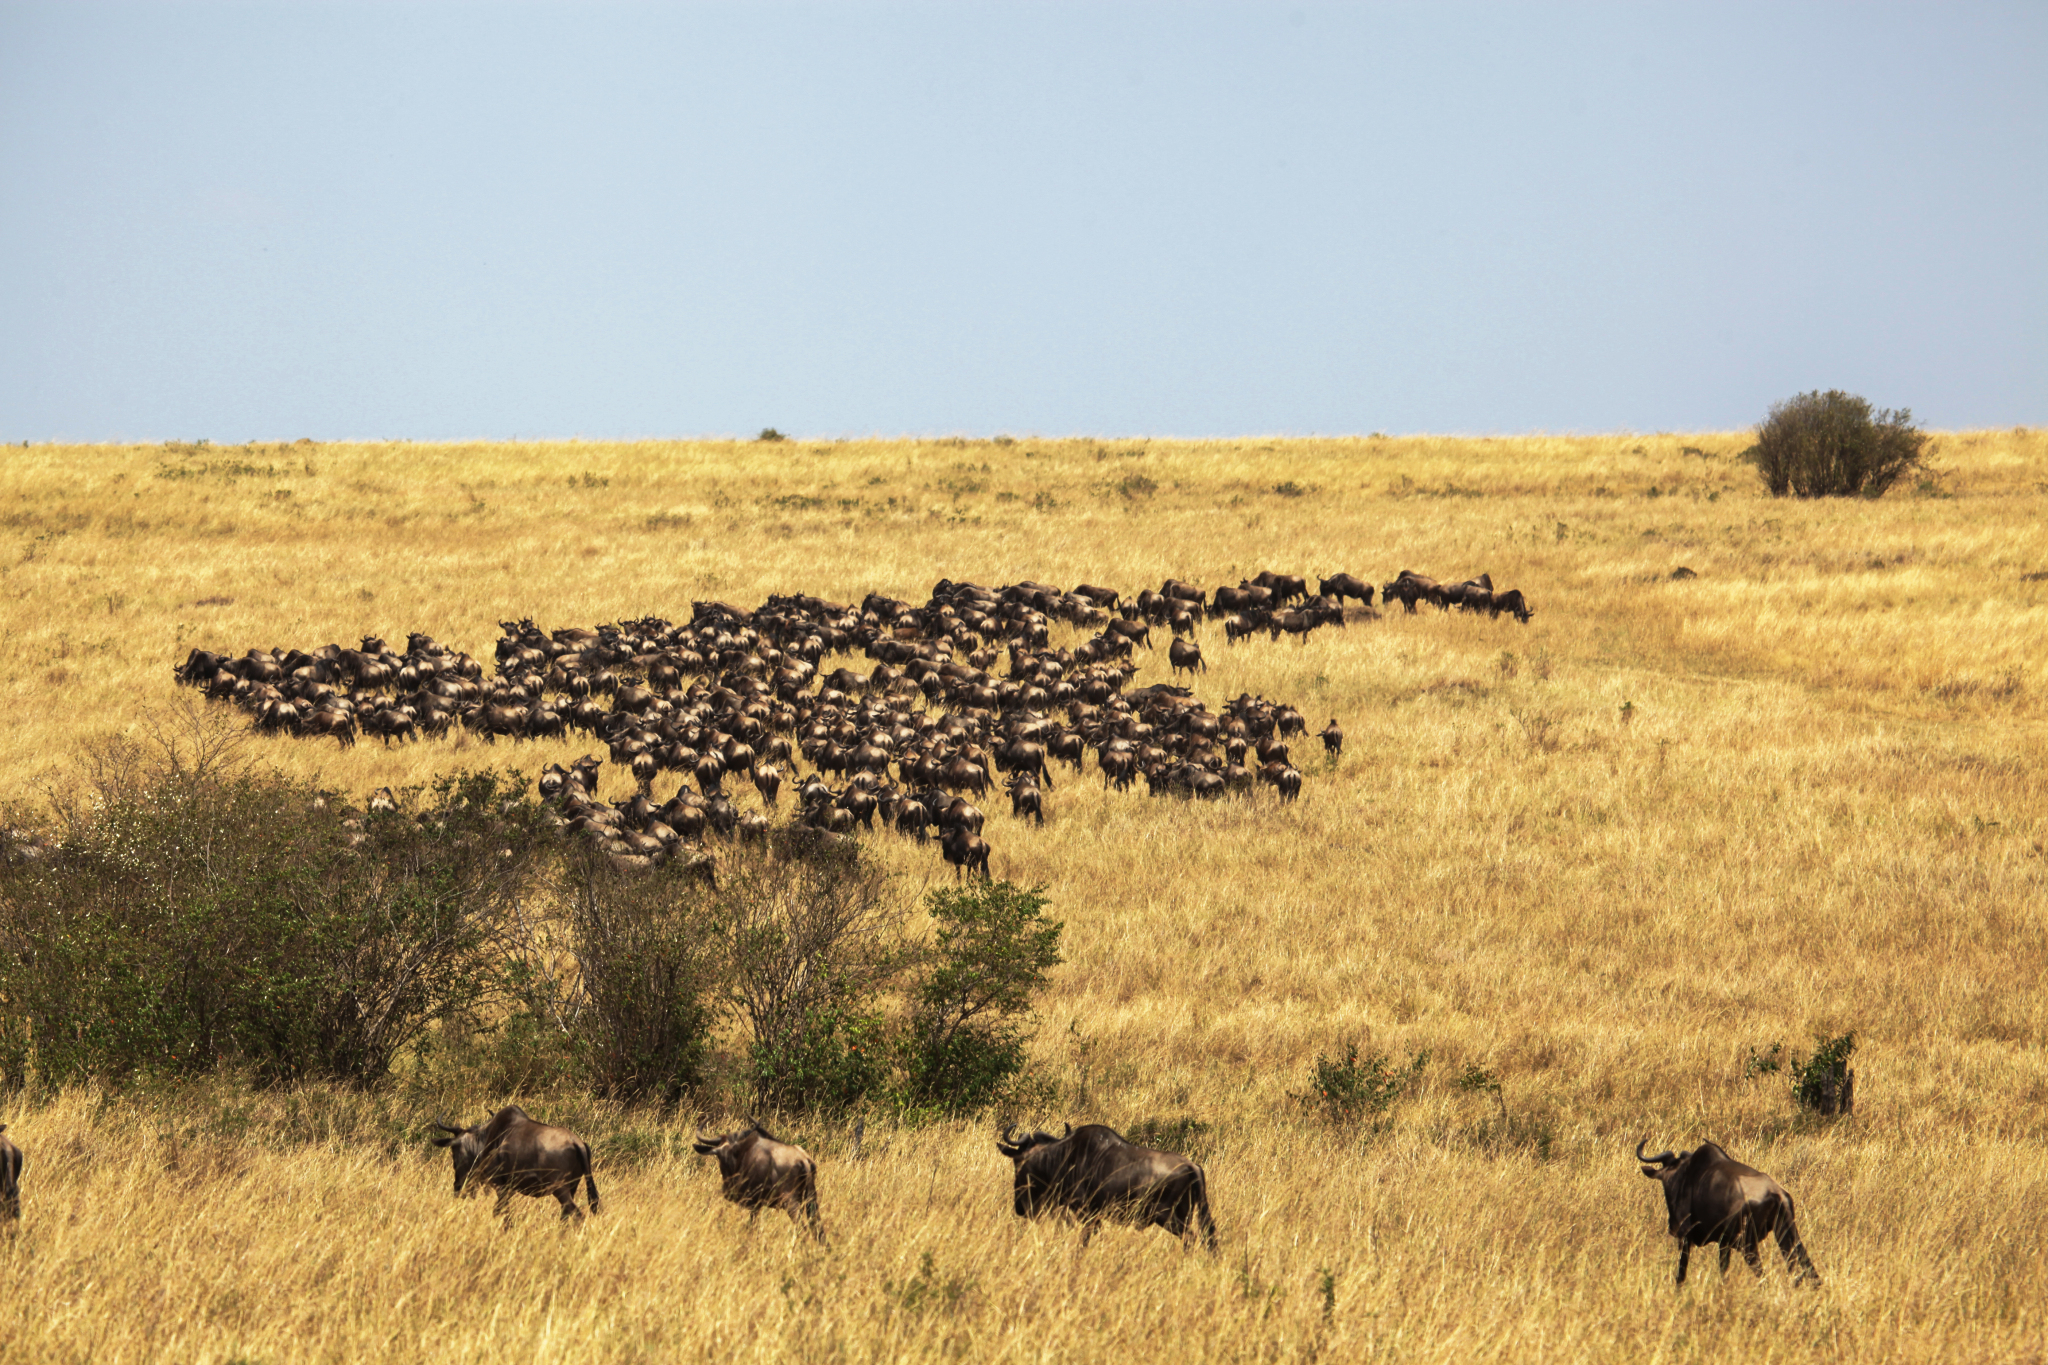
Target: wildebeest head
pixel 464 1145
pixel 1662 1168
pixel 1033 1193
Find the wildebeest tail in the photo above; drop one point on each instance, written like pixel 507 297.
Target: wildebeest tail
pixel 1208 1223
pixel 590 1183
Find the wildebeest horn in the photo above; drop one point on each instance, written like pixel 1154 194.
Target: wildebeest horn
pixel 1069 1133
pixel 1661 1159
pixel 1008 1129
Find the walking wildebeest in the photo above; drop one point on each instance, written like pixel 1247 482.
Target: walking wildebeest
pixel 10 1178
pixel 1711 1197
pixel 1094 1174
pixel 966 852
pixel 761 1171
pixel 515 1154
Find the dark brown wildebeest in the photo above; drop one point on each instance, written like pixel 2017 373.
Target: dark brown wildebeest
pixel 768 782
pixel 760 1171
pixel 1101 597
pixel 1410 588
pixel 1345 585
pixel 1179 590
pixel 1186 654
pixel 1096 1175
pixel 1514 604
pixel 515 1154
pixel 10 1178
pixel 1711 1197
pixel 1024 797
pixel 966 852
pixel 1285 587
pixel 1332 736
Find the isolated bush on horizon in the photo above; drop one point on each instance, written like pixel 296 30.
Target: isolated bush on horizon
pixel 1834 444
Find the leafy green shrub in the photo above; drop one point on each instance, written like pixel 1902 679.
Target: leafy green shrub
pixel 1355 1086
pixel 834 1059
pixel 1834 445
pixel 804 944
pixel 191 919
pixel 970 1018
pixel 645 976
pixel 1823 1083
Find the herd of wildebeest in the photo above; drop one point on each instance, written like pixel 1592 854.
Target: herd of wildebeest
pixel 963 688
pixel 966 691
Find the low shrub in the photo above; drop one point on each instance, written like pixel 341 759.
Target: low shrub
pixel 1356 1086
pixel 1834 444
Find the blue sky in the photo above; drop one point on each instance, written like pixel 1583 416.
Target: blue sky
pixel 266 221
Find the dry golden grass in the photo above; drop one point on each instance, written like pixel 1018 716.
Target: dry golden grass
pixel 1603 855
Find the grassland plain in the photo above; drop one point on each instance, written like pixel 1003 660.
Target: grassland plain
pixel 1604 856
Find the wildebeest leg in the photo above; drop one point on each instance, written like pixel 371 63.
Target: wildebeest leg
pixel 567 1194
pixel 504 1203
pixel 1749 1256
pixel 1796 1259
pixel 1725 1248
pixel 1684 1255
pixel 1088 1229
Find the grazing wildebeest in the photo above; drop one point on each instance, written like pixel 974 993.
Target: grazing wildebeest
pixel 1410 588
pixel 1514 604
pixel 10 1178
pixel 1186 654
pixel 1094 1174
pixel 515 1154
pixel 1711 1197
pixel 762 1172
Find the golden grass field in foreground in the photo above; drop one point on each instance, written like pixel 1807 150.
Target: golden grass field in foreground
pixel 1604 855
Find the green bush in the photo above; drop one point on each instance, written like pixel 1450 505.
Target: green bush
pixel 970 1020
pixel 187 921
pixel 804 945
pixel 1834 445
pixel 645 975
pixel 834 1058
pixel 1357 1086
pixel 1823 1083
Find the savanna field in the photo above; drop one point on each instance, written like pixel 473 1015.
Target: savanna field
pixel 1603 859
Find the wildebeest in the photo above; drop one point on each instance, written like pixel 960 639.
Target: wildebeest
pixel 1345 585
pixel 10 1178
pixel 1514 604
pixel 760 1171
pixel 1332 736
pixel 966 852
pixel 515 1154
pixel 1094 1174
pixel 1711 1197
pixel 1025 799
pixel 1409 587
pixel 1186 654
